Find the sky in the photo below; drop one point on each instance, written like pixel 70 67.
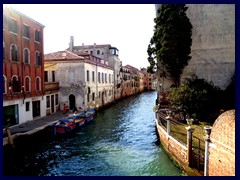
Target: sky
pixel 128 27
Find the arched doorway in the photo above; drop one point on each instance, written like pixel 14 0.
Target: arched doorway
pixel 72 101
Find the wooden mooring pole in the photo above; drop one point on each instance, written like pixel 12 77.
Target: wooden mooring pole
pixel 10 139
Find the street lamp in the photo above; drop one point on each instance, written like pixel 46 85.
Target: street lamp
pixel 168 114
pixel 189 121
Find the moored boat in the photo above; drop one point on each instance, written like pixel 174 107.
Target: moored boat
pixel 89 117
pixel 63 126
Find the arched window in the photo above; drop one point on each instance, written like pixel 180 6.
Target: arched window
pixel 15 84
pixel 38 84
pixel 26 56
pixel 38 58
pixel 27 84
pixel 4 84
pixel 13 52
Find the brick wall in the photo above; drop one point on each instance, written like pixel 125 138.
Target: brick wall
pixel 222 146
pixel 176 149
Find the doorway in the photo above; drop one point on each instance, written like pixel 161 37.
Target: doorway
pixel 72 101
pixel 103 98
pixel 52 103
pixel 10 115
pixel 36 108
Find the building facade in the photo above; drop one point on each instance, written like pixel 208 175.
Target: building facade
pixel 149 80
pixel 109 56
pixel 23 77
pixel 84 80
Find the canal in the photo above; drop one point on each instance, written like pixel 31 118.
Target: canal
pixel 121 141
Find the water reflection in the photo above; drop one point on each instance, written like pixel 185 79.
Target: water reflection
pixel 121 141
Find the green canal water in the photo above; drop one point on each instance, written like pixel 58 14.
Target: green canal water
pixel 121 141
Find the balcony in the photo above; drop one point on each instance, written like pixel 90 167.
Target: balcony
pixel 50 86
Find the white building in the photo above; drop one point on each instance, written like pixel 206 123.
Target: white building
pixel 109 56
pixel 84 80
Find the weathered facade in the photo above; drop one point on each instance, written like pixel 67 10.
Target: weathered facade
pixel 51 88
pixel 213 44
pixel 106 53
pixel 84 81
pixel 130 81
pixel 23 77
pixel 149 80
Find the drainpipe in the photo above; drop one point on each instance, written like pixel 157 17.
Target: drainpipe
pixel 207 142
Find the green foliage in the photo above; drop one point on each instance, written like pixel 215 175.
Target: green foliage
pixel 171 42
pixel 195 97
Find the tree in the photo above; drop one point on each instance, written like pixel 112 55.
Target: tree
pixel 171 43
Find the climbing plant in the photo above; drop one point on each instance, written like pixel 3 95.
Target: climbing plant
pixel 170 46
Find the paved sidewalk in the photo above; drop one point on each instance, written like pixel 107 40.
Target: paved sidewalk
pixel 33 126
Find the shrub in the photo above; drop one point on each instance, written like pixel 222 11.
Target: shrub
pixel 195 97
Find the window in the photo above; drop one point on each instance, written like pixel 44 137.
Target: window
pixel 38 84
pixel 98 52
pixel 4 54
pixel 26 31
pixel 93 76
pixel 53 76
pixel 48 102
pixel 13 53
pixel 99 74
pixel 56 99
pixel 37 35
pixel 4 85
pixel 99 94
pixel 87 75
pixel 27 84
pixel 27 106
pixel 38 58
pixel 103 77
pixel 15 84
pixel 91 52
pixel 93 96
pixel 45 76
pixel 109 78
pixel 13 26
pixel 88 97
pixel 106 77
pixel 26 56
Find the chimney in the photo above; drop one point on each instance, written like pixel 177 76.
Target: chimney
pixel 94 49
pixel 71 44
pixel 64 55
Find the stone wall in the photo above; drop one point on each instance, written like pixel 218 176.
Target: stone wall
pixel 213 43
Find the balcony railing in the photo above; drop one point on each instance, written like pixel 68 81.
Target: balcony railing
pixel 49 86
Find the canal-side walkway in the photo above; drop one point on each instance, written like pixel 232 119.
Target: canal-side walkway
pixel 33 126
